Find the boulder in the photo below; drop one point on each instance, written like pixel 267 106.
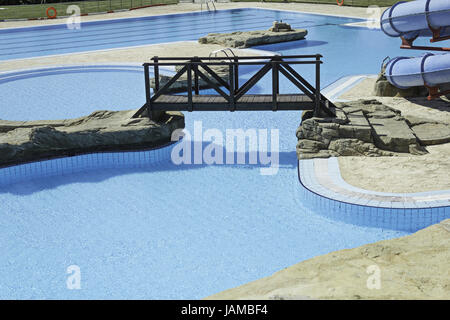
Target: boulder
pixel 101 131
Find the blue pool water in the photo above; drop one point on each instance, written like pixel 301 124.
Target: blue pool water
pixel 48 40
pixel 168 232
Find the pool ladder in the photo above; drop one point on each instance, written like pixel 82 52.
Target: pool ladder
pixel 207 2
pixel 225 51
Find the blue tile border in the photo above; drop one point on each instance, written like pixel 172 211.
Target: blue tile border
pixel 21 74
pixel 84 163
pixel 324 191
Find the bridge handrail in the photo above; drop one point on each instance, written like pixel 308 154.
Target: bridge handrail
pixel 200 67
pixel 226 63
pixel 241 57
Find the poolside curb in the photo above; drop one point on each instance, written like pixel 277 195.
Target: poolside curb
pixel 325 191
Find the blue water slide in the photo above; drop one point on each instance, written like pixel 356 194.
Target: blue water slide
pixel 415 19
pixel 430 69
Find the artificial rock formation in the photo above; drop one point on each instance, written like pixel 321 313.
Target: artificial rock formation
pixel 367 128
pixel 279 32
pixel 383 88
pixel 280 26
pixel 101 131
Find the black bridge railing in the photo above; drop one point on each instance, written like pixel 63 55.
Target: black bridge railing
pixel 230 90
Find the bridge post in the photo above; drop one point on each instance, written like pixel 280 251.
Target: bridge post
pixel 275 84
pixel 232 87
pixel 189 85
pixel 236 73
pixel 317 93
pixel 147 90
pixel 156 71
pixel 196 85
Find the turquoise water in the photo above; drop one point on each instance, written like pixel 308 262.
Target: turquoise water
pixel 171 232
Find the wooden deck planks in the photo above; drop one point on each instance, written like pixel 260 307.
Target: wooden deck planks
pixel 250 101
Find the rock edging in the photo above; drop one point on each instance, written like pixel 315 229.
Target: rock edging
pixel 367 128
pixel 22 142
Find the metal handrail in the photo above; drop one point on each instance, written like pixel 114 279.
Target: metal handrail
pixel 215 52
pixel 207 5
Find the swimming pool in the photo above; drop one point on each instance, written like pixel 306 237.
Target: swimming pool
pixel 58 39
pixel 167 231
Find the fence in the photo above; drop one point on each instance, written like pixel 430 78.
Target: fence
pixel 33 11
pixel 355 3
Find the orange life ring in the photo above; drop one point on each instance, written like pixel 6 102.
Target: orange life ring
pixel 53 16
pixel 340 3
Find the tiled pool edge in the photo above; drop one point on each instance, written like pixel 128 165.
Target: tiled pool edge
pixel 84 163
pixel 366 210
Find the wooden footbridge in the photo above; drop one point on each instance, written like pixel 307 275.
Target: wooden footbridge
pixel 230 96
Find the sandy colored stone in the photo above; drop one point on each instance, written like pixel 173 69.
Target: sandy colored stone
pixel 411 267
pixel 400 174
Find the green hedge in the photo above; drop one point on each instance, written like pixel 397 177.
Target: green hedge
pixel 355 3
pixel 39 10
